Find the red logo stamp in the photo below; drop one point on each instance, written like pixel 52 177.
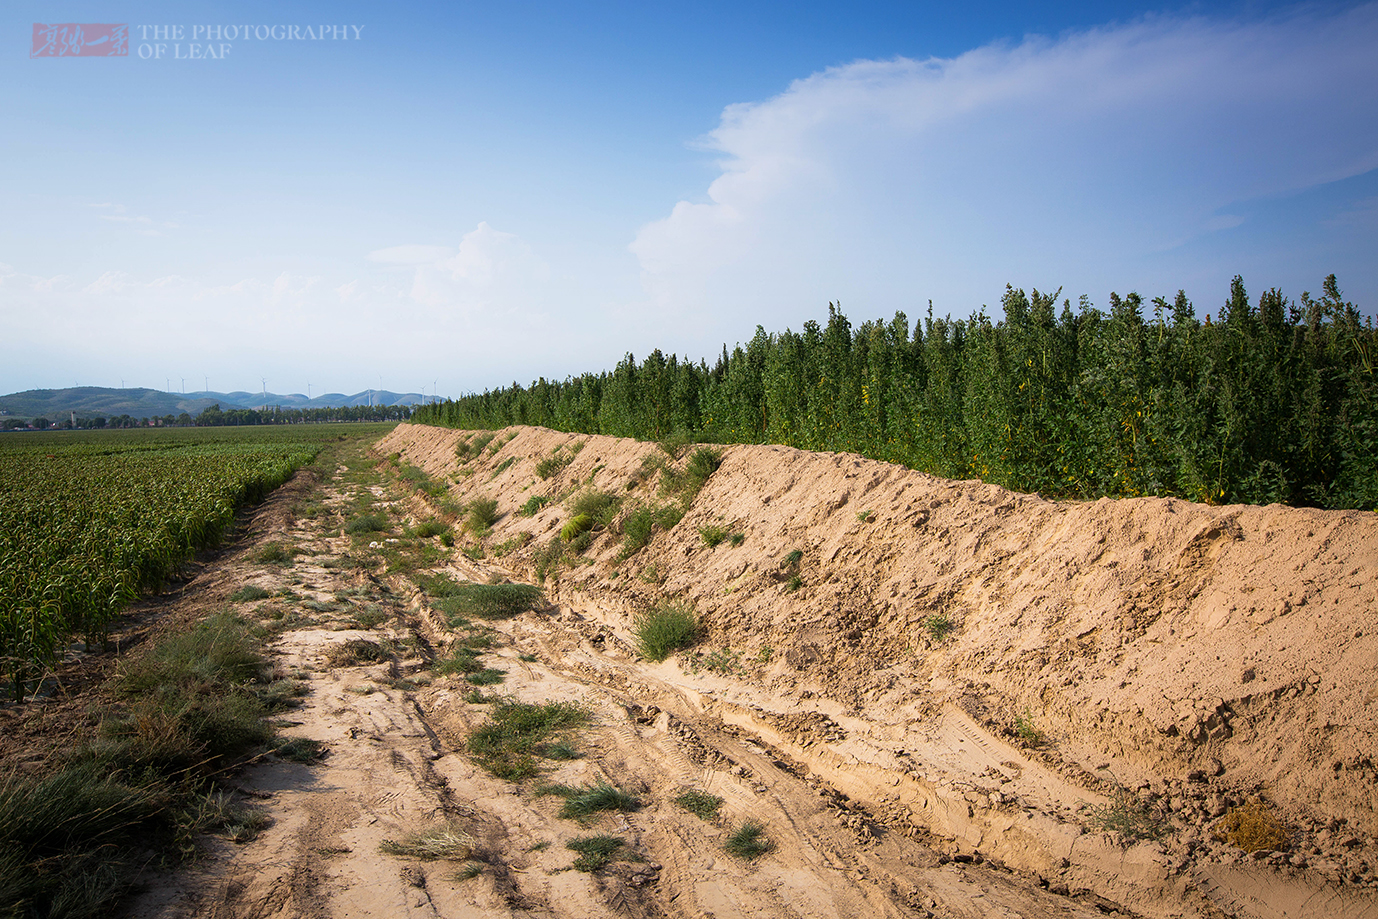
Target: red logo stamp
pixel 80 39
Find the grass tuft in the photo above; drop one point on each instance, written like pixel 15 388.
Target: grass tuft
pixel 701 804
pixel 518 733
pixel 583 803
pixel 665 630
pixel 748 841
pixel 491 601
pixel 441 842
pixel 250 592
pixel 712 535
pixel 594 851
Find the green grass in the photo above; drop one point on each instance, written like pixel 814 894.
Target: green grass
pixel 737 539
pixel 939 626
pixel 519 734
pixel 367 523
pixel 748 841
pixel 701 804
pixel 712 535
pixel 274 553
pixel 793 559
pixel 1125 815
pixel 594 851
pixel 553 463
pixel 533 505
pixel 428 528
pixel 577 526
pixel 357 651
pixel 584 803
pixel 250 592
pixel 481 515
pixel 665 630
pixel 600 506
pixel 491 601
pixel 794 583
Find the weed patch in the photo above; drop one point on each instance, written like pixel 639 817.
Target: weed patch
pixel 712 535
pixel 701 804
pixel 594 851
pixel 665 630
pixel 583 803
pixel 492 601
pixel 748 841
pixel 939 627
pixel 509 745
pixel 250 592
pixel 366 523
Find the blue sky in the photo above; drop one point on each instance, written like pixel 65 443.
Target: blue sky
pixel 482 193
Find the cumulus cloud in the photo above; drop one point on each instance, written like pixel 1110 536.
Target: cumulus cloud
pixel 1073 159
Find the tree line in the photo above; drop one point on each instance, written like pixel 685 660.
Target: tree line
pixel 1273 401
pixel 213 415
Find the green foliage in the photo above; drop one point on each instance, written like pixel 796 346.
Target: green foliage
pixel 794 583
pixel 1027 729
pixel 553 463
pixel 712 534
pixel 250 592
pixel 1126 815
pixel 600 506
pixel 701 804
pixel 274 553
pixel 491 601
pixel 583 803
pixel 367 523
pixel 532 505
pixel 594 851
pixel 737 539
pixel 939 626
pixel 481 515
pixel 428 528
pixel 793 559
pixel 508 745
pixel 748 841
pixel 665 630
pixel 1275 401
pixel 577 526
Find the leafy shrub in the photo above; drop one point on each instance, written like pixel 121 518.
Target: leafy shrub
pixel 1027 730
pixel 665 630
pixel 748 841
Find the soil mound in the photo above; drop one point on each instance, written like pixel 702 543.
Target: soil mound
pixel 1022 678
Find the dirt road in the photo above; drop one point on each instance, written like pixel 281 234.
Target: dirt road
pixel 917 807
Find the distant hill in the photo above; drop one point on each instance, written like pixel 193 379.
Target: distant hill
pixel 93 401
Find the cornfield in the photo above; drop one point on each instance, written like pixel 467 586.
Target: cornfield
pixel 87 524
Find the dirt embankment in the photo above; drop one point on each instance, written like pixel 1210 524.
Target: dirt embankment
pixel 1190 655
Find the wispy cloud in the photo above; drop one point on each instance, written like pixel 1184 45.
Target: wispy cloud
pixel 1072 160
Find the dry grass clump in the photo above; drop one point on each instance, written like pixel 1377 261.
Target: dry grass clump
pixel 1253 827
pixel 439 842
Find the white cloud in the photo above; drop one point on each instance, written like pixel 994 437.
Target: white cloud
pixel 491 271
pixel 410 255
pixel 1071 160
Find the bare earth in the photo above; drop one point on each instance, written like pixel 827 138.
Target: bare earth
pixel 1177 659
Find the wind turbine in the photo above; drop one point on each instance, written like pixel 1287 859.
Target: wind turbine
pixel 435 392
pixel 184 386
pixel 265 393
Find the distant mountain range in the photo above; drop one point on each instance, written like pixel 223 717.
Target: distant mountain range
pixel 90 401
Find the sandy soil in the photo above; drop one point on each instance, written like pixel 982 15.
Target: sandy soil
pixel 1176 660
